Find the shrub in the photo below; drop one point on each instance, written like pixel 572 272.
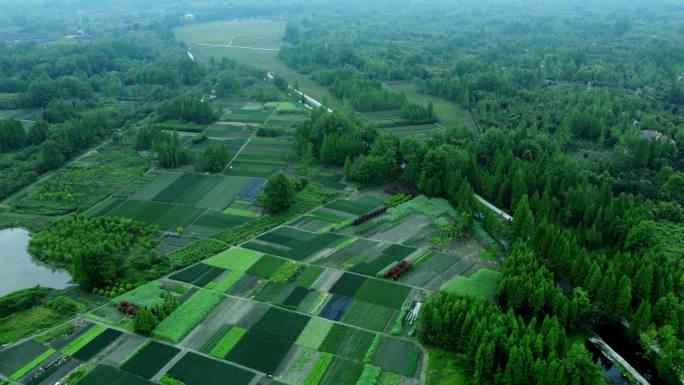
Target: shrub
pixel 398 270
pixel 366 217
pixel 316 374
pixel 372 349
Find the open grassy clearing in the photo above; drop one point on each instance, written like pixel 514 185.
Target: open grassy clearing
pixel 420 131
pixel 20 113
pixel 357 206
pixel 482 284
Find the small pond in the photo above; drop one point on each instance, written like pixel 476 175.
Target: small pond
pixel 19 269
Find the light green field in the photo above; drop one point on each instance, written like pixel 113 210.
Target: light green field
pixel 262 34
pixel 449 113
pixel 482 284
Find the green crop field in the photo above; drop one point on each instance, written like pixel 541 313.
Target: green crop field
pixel 318 371
pixel 228 342
pixel 482 284
pixel 235 259
pixel 32 364
pixel 281 324
pixel 83 340
pixel 368 315
pixel 228 281
pixel 259 351
pixel 293 243
pixel 150 359
pixel 348 285
pixel 342 371
pixel 103 374
pixel 266 266
pixel 194 369
pixel 357 206
pixel 314 333
pixel 309 276
pixel 397 356
pixel 383 293
pixel 18 356
pixel 97 344
pixel 166 216
pixel 347 342
pixel 179 323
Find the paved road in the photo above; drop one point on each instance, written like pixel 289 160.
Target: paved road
pixel 498 211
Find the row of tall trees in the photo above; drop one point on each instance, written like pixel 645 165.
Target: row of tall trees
pixel 502 348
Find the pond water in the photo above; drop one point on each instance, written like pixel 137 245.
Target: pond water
pixel 19 269
pixel 617 338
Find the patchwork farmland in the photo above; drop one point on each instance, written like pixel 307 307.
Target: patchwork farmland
pixel 306 303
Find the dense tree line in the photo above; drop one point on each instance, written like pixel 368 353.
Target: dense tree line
pixel 14 136
pixel 188 110
pixel 364 95
pixel 214 159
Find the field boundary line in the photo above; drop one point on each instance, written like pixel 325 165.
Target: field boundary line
pixel 233 46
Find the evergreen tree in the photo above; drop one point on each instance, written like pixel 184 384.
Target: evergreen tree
pixel 279 193
pixel 145 322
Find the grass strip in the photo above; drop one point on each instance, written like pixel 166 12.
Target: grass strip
pixel 316 374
